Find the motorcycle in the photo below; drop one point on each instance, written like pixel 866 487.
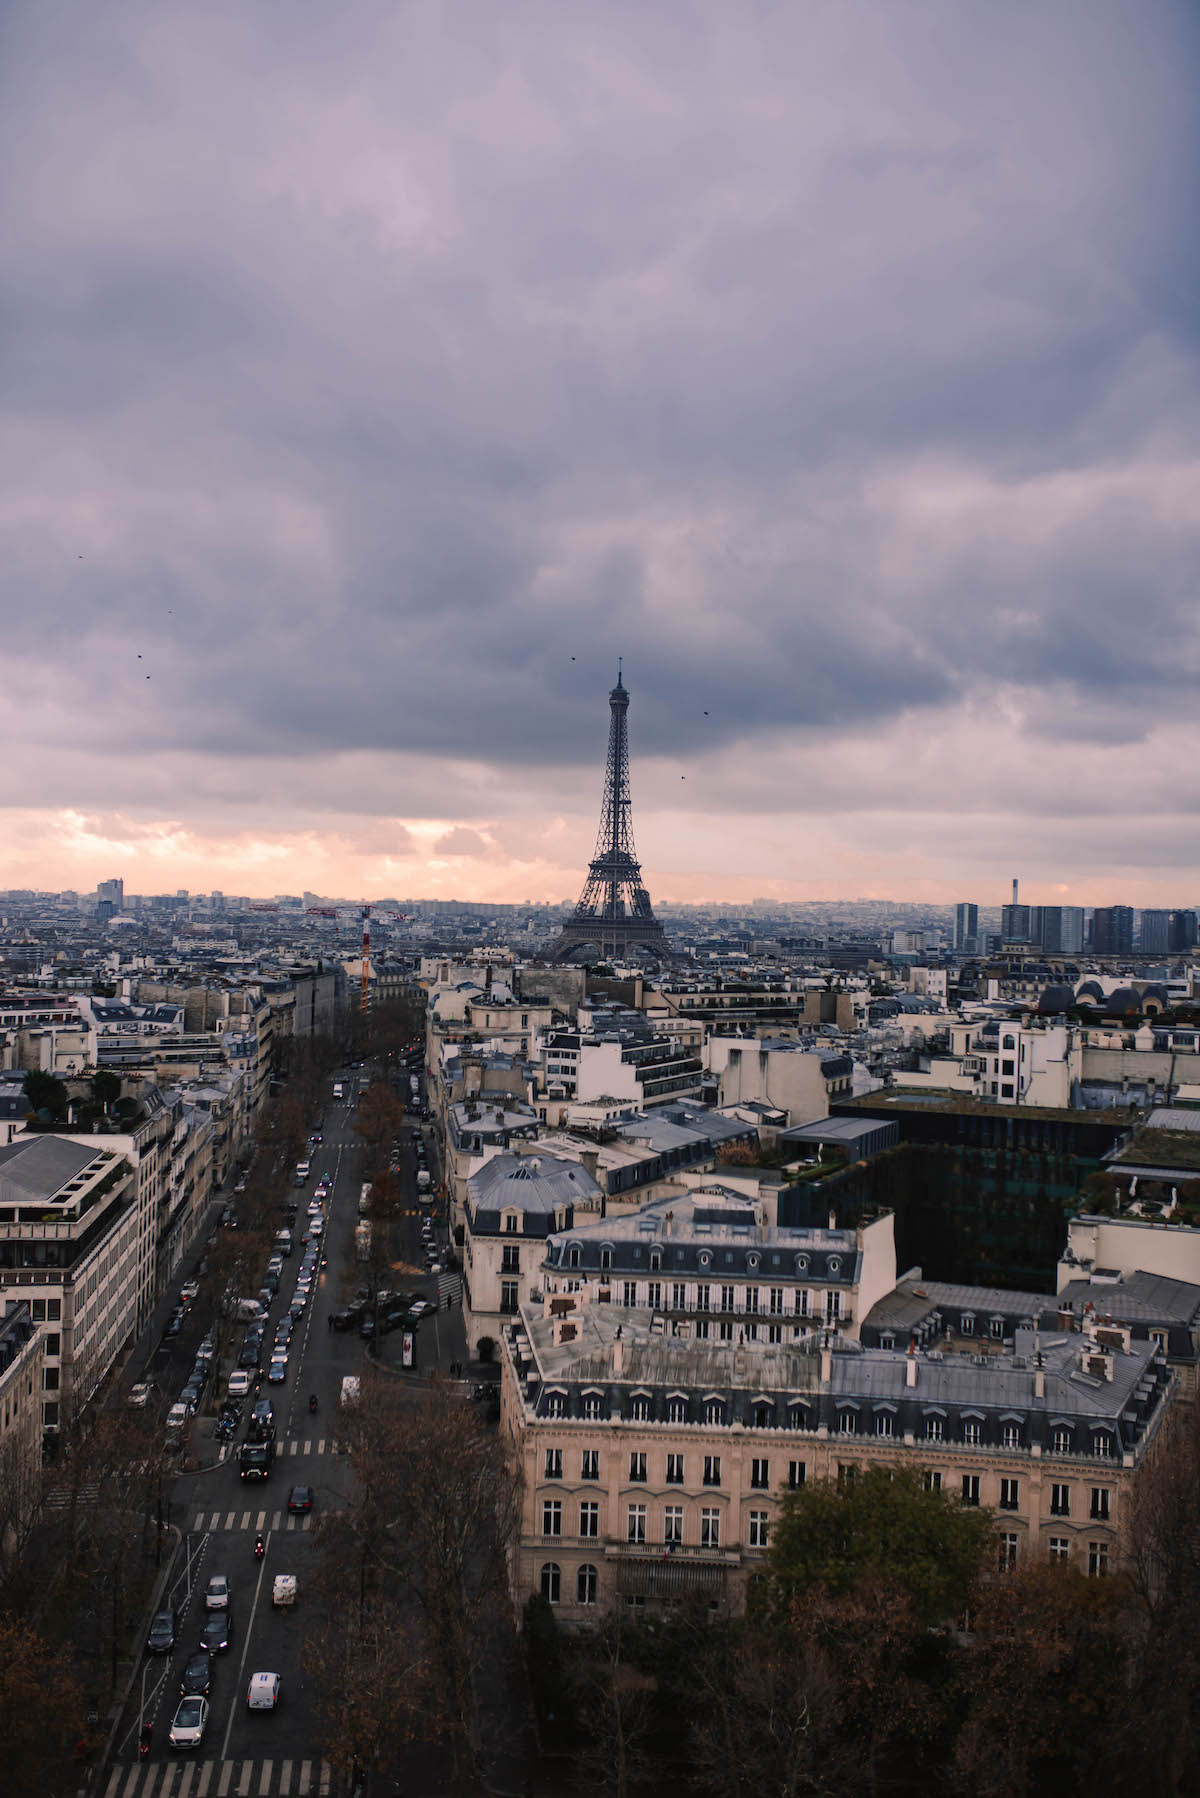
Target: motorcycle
pixel 312 1402
pixel 144 1741
pixel 260 1548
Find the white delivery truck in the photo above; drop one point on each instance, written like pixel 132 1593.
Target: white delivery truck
pixel 423 1180
pixel 339 1089
pixel 362 1240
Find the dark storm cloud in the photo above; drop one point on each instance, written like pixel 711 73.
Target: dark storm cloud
pixel 379 374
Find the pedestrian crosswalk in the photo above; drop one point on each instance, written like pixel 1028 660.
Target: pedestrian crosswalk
pixel 324 1446
pixel 221 1779
pixel 248 1520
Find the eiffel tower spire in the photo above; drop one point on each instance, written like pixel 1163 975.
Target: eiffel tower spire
pixel 614 910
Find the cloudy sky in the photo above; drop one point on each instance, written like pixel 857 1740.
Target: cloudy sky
pixel 373 375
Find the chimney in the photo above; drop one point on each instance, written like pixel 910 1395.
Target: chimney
pixel 910 1363
pixel 832 1218
pixel 826 1363
pixel 1015 885
pixel 590 1161
pixel 618 1357
pixel 1039 1379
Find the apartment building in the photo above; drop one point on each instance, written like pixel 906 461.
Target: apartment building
pixel 709 1267
pixel 72 1246
pixel 22 1364
pixel 513 1203
pixel 795 1078
pixel 654 1464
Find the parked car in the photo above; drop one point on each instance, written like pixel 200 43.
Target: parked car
pixel 161 1637
pixel 190 1722
pixel 139 1395
pixel 174 1325
pixel 189 1290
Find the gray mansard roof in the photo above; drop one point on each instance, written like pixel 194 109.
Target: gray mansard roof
pixel 604 1362
pixel 539 1186
pixel 36 1167
pixel 710 1233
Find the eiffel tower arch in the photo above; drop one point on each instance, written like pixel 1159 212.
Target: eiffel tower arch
pixel 614 911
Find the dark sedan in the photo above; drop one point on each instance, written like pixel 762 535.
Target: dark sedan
pixel 214 1637
pixel 197 1676
pixel 300 1499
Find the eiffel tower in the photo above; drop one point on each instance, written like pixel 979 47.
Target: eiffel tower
pixel 614 910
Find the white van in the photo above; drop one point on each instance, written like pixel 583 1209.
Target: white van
pixel 423 1180
pixel 178 1418
pixel 351 1389
pixel 283 1242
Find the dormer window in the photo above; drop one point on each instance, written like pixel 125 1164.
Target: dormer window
pixel 705 1258
pixel 605 1260
pixel 833 1266
pixel 801 1264
pixel 655 1260
pixel 511 1223
pixel 752 1262
pixel 573 1255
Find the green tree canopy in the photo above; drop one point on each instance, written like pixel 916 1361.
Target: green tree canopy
pixel 881 1525
pixel 106 1087
pixel 45 1093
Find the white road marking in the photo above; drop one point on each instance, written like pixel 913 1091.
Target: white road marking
pixel 305 1777
pixel 264 1779
pixel 326 1773
pixel 247 1776
pixel 285 1779
pixel 308 1448
pixel 185 1784
pixel 205 1776
pixel 262 1520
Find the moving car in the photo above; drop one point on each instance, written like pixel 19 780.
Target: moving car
pixel 284 1590
pixel 189 1290
pixel 239 1384
pixel 264 1692
pixel 214 1637
pixel 216 1593
pixel 300 1500
pixel 196 1677
pixel 161 1637
pixel 191 1721
pixel 277 1372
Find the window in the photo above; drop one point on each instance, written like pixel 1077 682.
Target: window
pixel 637 1523
pixel 1097 1560
pixel 551 1582
pixel 508 1297
pixel 674 1470
pixel 727 1298
pixel 932 1482
pixel 702 1293
pixel 1102 1446
pixel 971 1433
pixel 554 1463
pixel 847 1423
pixel 605 1261
pixel 589 1518
pixel 678 1296
pixel 1011 1435
pixel 1060 1442
pixel 996 1329
pixel 554 1404
pixel 510 1224
pixel 586 1584
pixel 637 1466
pixel 970 1488
pixel 759 1526
pixel 834 1267
pixel 551 1517
pixel 50 1379
pixel 712 1470
pixel 654 1295
pixel 655 1260
pixel 760 1474
pixel 54 1343
pixel 726 1330
pixel 934 1429
pixel 1060 1501
pixel 590 1464
pixel 639 1408
pixel 629 1292
pixel 1006 1546
pixel 673 1524
pixel 1006 1091
pixel 714 1411
pixel 883 1423
pixel 797 1473
pixel 510 1259
pixel 1010 1495
pixel 1009 1068
pixel 966 1324
pixel 1060 1548
pixel 752 1298
pixel 1101 1499
pixel 776 1301
pixel 710 1527
pixel 591 1404
pixel 833 1306
pixel 676 1410
pixel 1010 1042
pixel 775 1333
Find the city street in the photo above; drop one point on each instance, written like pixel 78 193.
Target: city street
pixel 218 1515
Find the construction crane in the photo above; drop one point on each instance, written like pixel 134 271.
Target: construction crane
pixel 363 999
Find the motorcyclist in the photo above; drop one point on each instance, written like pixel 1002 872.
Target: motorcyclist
pixel 312 1401
pixel 260 1547
pixel 144 1739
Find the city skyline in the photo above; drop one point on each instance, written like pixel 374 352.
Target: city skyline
pixel 371 386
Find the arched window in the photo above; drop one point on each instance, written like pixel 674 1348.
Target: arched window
pixel 1010 1042
pixel 655 1260
pixel 587 1584
pixel 551 1582
pixel 605 1260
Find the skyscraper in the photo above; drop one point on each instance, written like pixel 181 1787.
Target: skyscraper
pixel 966 928
pixel 1112 930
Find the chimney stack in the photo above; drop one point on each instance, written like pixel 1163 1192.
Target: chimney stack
pixel 910 1363
pixel 618 1357
pixel 1015 886
pixel 1039 1379
pixel 826 1363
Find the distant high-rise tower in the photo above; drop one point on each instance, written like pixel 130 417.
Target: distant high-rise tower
pixel 966 929
pixel 1112 930
pixel 614 910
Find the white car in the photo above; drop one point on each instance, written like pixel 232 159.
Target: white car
pixel 264 1692
pixel 216 1596
pixel 139 1396
pixel 239 1383
pixel 191 1721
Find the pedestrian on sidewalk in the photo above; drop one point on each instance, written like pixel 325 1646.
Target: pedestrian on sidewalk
pixel 329 1322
